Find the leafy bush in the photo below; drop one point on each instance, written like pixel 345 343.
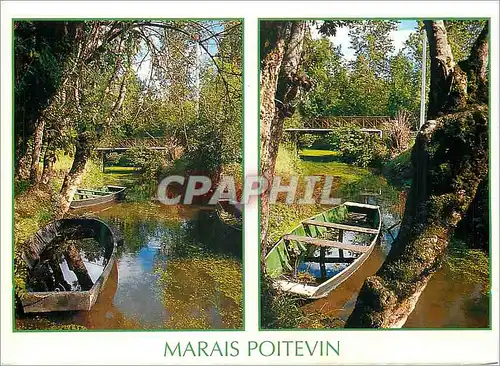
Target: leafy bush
pixel 358 147
pixel 312 141
pixel 306 140
pixel 153 165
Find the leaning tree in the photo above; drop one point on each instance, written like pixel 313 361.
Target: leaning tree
pixel 450 160
pixel 82 73
pixel 280 82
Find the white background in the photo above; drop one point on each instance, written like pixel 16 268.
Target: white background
pixel 381 346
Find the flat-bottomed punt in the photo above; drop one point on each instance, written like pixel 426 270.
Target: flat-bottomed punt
pixel 84 197
pixel 324 250
pixel 45 239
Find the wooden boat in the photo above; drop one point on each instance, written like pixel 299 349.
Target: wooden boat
pixel 230 213
pixel 75 228
pixel 84 197
pixel 324 250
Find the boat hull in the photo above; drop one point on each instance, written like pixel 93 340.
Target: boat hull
pixel 116 194
pixel 323 289
pixel 36 302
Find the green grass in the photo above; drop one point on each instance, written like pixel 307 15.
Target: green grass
pixel 120 169
pixel 319 153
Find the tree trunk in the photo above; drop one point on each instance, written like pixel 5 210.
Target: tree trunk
pixel 74 176
pixel 280 84
pixel 37 148
pixel 450 159
pixel 23 163
pixel 49 160
pixel 270 70
pixel 75 263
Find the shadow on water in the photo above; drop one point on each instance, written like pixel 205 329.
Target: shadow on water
pixel 178 268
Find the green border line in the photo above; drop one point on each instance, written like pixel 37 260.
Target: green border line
pixel 243 327
pixel 490 326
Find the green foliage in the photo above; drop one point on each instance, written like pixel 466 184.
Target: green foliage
pixel 33 209
pixel 153 165
pixel 92 178
pixel 404 86
pixel 20 186
pixel 324 65
pixel 306 140
pixel 371 41
pixel 41 51
pixel 357 147
pixel 461 35
pixel 375 83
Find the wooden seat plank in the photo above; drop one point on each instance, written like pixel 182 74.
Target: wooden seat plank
pixel 93 191
pixel 88 194
pixel 332 225
pixel 327 243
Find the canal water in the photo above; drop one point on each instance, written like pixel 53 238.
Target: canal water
pixel 450 300
pixel 178 268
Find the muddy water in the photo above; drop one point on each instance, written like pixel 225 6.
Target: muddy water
pixel 179 268
pixel 450 300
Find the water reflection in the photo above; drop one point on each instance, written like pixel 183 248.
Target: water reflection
pixel 173 268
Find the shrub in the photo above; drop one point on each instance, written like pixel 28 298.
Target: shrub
pixel 306 140
pixel 153 165
pixel 357 147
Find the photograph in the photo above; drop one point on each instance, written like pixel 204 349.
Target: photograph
pixel 122 131
pixel 374 149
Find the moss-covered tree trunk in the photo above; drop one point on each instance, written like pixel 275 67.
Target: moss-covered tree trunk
pixel 450 159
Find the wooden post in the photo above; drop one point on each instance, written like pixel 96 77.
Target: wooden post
pixel 341 239
pixel 322 256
